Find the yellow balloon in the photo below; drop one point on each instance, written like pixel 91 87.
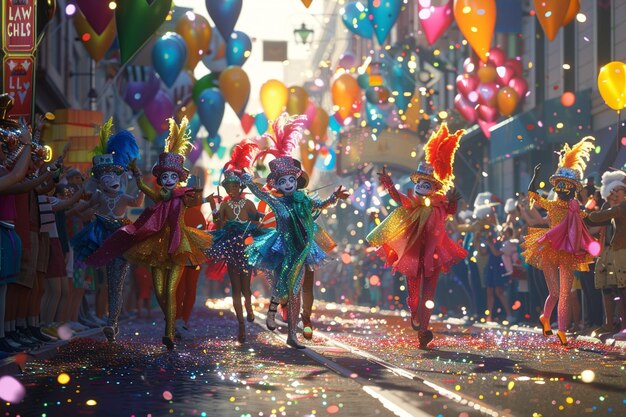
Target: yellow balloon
pixel 297 100
pixel 477 20
pixel 612 84
pixel 235 87
pixel 507 100
pixel 412 115
pixel 96 45
pixel 196 32
pixel 274 95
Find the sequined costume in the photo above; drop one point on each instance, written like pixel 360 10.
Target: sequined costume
pixel 228 242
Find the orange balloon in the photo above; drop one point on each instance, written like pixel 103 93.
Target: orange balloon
pixel 307 157
pixel 477 20
pixel 274 95
pixel 235 87
pixel 188 110
pixel 297 100
pixel 551 15
pixel 487 73
pixel 96 45
pixel 572 11
pixel 612 85
pixel 196 32
pixel 346 94
pixel 306 3
pixel 412 115
pixel 507 101
pixel 319 124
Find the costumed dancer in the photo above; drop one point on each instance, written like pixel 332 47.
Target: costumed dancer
pixel 290 248
pixel 413 239
pixel 236 220
pixel 159 237
pixel 565 246
pixel 110 201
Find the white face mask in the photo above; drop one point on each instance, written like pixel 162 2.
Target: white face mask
pixel 110 182
pixel 287 184
pixel 423 187
pixel 169 180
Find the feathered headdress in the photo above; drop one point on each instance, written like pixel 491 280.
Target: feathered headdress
pixel 105 132
pixel 177 144
pixel 243 156
pixel 438 161
pixel 114 151
pixel 572 163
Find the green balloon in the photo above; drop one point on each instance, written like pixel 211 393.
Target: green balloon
pixel 146 128
pixel 136 22
pixel 363 80
pixel 208 81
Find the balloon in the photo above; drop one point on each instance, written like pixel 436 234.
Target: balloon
pixel 238 48
pixel 208 81
pixel 215 58
pixel 194 125
pixel 465 108
pixel 137 94
pixel 412 115
pixel 550 15
pixel 505 74
pixel 168 57
pixel 612 84
pixel 327 159
pixel 487 93
pixel 96 44
pixel 334 124
pixel 466 83
pixel 235 86
pixel 196 32
pixel 260 123
pixel 485 127
pixel 96 12
pixel 158 110
pixel 477 20
pixel 497 57
pixel 363 80
pixel 401 83
pixel 214 142
pixel 469 65
pixel 308 156
pixel 297 100
pixel 487 113
pixel 377 95
pixel 516 66
pixel 435 20
pixel 356 19
pixel 146 128
pixel 225 14
pixel 374 116
pixel 187 109
pixel 346 94
pixel 196 152
pixel 487 73
pixel 383 14
pixel 346 61
pixel 507 99
pixel 309 112
pixel 136 22
pixel 568 99
pixel 180 91
pixel 307 3
pixel 520 86
pixel 572 11
pixel 211 109
pixel 247 121
pixel 274 96
pixel 319 124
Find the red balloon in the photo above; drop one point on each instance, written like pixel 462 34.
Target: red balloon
pixel 516 66
pixel 466 83
pixel 496 57
pixel 487 113
pixel 520 86
pixel 505 74
pixel 487 94
pixel 465 108
pixel 469 65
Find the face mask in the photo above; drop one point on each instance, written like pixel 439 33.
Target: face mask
pixel 287 184
pixel 564 191
pixel 169 180
pixel 423 187
pixel 110 182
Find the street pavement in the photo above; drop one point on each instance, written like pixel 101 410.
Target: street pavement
pixel 361 362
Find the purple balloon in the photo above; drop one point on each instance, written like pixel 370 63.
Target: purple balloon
pixel 196 152
pixel 225 14
pixel 137 94
pixel 158 110
pixel 97 13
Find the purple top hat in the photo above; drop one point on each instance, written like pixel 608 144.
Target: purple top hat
pixel 170 161
pixel 280 167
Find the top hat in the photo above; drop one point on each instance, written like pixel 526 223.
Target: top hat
pixel 171 161
pixel 281 167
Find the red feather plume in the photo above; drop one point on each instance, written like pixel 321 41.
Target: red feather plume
pixel 439 152
pixel 243 156
pixel 287 132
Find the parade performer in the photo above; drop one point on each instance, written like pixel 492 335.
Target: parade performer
pixel 564 247
pixel 109 202
pixel 159 237
pixel 413 239
pixel 290 248
pixel 236 220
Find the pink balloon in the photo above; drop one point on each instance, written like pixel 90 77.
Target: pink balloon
pixel 516 65
pixel 310 112
pixel 465 108
pixel 466 83
pixel 505 74
pixel 487 93
pixel 346 61
pixel 469 65
pixel 520 86
pixel 496 57
pixel 435 20
pixel 487 113
pixel 485 126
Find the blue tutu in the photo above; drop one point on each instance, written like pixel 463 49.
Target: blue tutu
pixel 10 253
pixel 91 237
pixel 229 243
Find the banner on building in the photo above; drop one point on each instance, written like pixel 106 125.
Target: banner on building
pixel 18 26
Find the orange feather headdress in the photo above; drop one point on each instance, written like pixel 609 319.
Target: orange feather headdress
pixel 572 163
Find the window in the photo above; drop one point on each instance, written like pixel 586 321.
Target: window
pixel 540 63
pixel 569 58
pixel 604 35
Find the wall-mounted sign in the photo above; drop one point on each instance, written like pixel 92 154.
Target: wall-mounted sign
pixel 18 26
pixel 17 81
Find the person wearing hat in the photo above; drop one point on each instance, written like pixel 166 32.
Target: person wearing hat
pixel 291 247
pixel 413 238
pixel 109 204
pixel 566 246
pixel 159 237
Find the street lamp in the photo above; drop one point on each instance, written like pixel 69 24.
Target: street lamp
pixel 303 34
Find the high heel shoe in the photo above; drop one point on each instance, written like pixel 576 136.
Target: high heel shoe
pixel 545 326
pixel 250 316
pixel 424 337
pixel 415 324
pixel 270 321
pixel 169 344
pixel 562 337
pixel 241 336
pixel 293 342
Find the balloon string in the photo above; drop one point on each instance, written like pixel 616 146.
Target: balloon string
pixel 619 125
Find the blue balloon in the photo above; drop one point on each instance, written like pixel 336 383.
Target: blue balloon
pixel 384 16
pixel 375 116
pixel 356 19
pixel 169 55
pixel 400 79
pixel 261 123
pixel 160 139
pixel 225 14
pixel 327 162
pixel 238 48
pixel 211 107
pixel 334 124
pixel 194 125
pixel 363 80
pixel 214 142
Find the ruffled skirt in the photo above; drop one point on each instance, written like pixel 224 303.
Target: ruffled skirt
pixel 91 237
pixel 539 252
pixel 229 243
